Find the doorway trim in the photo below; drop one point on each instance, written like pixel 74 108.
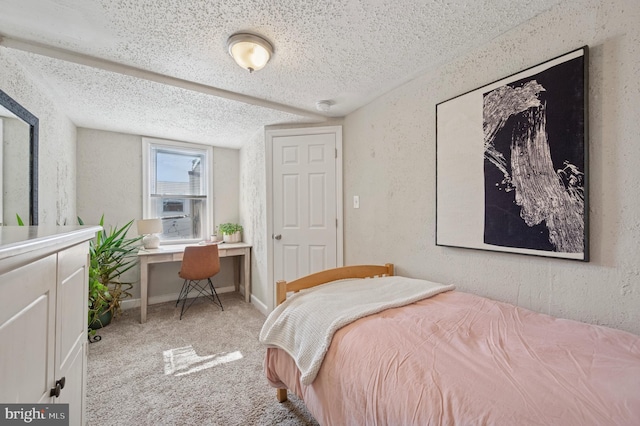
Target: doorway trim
pixel 269 136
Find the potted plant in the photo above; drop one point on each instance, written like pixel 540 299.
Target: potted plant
pixel 231 232
pixel 111 255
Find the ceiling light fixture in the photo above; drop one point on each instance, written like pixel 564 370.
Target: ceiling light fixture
pixel 250 51
pixel 324 105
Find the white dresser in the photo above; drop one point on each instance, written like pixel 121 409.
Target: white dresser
pixel 43 315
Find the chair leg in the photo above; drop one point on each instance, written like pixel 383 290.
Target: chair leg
pixel 214 294
pixel 190 303
pixel 183 292
pixel 188 286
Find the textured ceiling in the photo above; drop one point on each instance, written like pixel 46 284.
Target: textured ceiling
pixel 348 52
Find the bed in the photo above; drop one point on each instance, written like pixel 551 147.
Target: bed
pixel 449 358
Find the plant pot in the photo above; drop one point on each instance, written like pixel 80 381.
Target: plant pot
pixel 232 238
pixel 103 320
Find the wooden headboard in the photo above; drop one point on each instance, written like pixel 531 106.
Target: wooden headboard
pixel 323 277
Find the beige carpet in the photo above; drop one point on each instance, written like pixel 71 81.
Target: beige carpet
pixel 205 369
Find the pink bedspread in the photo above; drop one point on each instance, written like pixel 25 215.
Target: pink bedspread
pixel 460 359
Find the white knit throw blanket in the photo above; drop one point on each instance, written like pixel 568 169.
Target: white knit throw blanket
pixel 304 324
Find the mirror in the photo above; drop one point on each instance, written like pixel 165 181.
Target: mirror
pixel 18 163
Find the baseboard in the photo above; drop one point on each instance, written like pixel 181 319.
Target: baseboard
pixel 162 298
pixel 259 305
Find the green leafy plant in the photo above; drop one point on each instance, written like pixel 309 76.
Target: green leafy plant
pixel 111 255
pixel 229 228
pixel 19 219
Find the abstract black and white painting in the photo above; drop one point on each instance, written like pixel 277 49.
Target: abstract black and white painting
pixel 512 163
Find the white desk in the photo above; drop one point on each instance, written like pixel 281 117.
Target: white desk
pixel 174 253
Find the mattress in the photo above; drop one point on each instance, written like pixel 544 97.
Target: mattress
pixel 457 358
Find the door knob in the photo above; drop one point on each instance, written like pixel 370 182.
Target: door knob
pixel 55 391
pixel 277 237
pixel 59 386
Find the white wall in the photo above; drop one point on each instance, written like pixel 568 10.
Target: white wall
pixel 56 168
pixel 110 182
pixel 253 213
pixel 390 163
pixel 109 177
pixel 14 143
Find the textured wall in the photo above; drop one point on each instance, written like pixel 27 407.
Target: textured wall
pixel 110 182
pixel 253 214
pixel 15 169
pixel 390 163
pixel 56 201
pixel 226 175
pixel 109 177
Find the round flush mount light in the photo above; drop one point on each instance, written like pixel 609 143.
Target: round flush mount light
pixel 250 51
pixel 324 105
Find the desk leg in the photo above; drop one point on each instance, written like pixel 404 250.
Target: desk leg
pixel 246 276
pixel 144 283
pixel 236 274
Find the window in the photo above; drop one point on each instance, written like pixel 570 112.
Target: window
pixel 178 189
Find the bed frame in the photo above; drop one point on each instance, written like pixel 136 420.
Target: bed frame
pixel 323 277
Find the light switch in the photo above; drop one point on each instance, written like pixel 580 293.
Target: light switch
pixel 356 202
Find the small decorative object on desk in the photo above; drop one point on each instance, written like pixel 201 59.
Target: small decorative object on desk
pixel 231 232
pixel 217 235
pixel 149 230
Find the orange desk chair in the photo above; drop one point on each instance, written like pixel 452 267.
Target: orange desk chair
pixel 199 263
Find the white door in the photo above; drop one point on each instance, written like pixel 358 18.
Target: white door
pixel 306 201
